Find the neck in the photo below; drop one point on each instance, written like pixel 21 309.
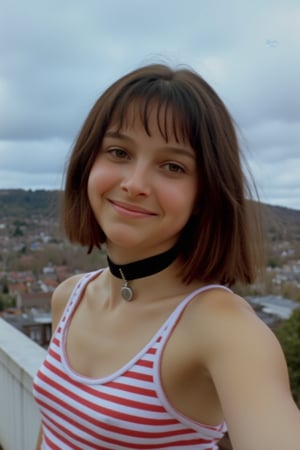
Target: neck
pixel 140 269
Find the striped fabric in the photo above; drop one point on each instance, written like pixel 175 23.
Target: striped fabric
pixel 125 411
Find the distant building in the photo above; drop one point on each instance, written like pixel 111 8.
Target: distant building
pixel 272 309
pixel 37 326
pixel 38 300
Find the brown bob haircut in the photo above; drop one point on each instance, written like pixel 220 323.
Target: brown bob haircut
pixel 220 241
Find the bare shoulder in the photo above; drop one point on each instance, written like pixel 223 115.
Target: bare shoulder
pixel 214 312
pixel 229 326
pixel 61 296
pixel 247 366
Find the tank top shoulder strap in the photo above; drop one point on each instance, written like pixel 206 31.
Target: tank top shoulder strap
pixel 165 332
pixel 175 315
pixel 78 291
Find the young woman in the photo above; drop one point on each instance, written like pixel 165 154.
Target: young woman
pixel 156 351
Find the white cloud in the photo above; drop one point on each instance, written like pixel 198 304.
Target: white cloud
pixel 57 57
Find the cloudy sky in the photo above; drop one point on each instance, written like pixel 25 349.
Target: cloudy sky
pixel 58 56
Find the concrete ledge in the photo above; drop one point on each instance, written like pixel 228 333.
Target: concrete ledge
pixel 20 358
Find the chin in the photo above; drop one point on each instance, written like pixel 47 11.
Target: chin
pixel 123 241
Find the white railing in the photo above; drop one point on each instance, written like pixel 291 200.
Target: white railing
pixel 20 358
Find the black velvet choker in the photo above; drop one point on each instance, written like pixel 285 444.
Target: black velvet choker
pixel 140 269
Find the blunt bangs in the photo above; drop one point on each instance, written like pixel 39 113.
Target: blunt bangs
pixel 176 111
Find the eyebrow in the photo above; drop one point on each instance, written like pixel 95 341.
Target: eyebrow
pixel 117 134
pixel 185 151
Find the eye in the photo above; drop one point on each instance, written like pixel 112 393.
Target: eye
pixel 118 153
pixel 174 167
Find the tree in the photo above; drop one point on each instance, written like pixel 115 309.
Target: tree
pixel 288 334
pixel 7 301
pixel 5 288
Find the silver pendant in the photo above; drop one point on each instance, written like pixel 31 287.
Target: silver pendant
pixel 126 293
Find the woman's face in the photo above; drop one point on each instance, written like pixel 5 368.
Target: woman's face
pixel 142 189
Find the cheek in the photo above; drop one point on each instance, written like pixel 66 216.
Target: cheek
pixel 100 180
pixel 180 200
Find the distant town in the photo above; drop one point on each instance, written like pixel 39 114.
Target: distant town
pixel 35 257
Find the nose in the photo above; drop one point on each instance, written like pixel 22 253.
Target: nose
pixel 136 180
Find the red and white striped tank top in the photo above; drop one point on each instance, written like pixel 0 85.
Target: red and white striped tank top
pixel 124 411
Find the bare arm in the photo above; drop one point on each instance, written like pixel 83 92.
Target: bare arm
pixel 39 440
pixel 58 303
pixel 248 368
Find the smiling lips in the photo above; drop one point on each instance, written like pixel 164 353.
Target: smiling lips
pixel 130 210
